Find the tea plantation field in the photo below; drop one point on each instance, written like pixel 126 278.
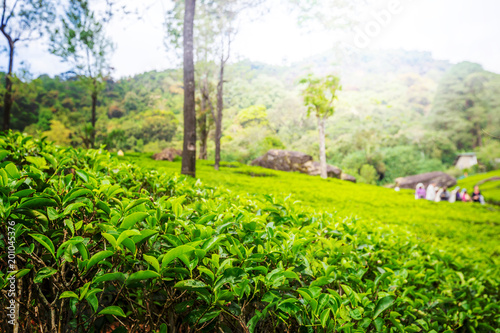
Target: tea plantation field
pixel 464 227
pixel 90 243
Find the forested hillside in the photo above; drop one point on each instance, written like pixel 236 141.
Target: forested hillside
pixel 399 112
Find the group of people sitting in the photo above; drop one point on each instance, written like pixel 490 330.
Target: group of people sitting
pixel 435 193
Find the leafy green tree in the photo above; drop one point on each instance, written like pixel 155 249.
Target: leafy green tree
pixel 402 161
pixel 319 97
pixel 24 105
pixel 131 102
pixel 466 104
pixel 81 41
pixel 253 115
pixel 22 22
pixel 368 174
pixel 161 125
pixel 489 154
pixel 116 139
pixel 58 133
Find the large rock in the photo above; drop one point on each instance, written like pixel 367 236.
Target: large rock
pixel 349 178
pixel 283 160
pixel 294 161
pixel 439 178
pixel 167 154
pixel 314 169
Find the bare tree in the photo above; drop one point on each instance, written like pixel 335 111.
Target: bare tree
pixel 205 67
pixel 226 15
pixel 22 22
pixel 226 12
pixel 206 107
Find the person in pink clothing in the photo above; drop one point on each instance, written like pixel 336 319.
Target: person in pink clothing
pixel 465 196
pixel 420 192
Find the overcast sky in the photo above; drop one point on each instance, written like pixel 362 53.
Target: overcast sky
pixel 454 30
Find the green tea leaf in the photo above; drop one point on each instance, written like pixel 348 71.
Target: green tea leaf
pixel 152 261
pixel 142 275
pixel 112 310
pixel 176 253
pixel 126 234
pixel 12 171
pixel 190 285
pixel 98 257
pixel 72 207
pixel 109 277
pixel 3 154
pixel 68 294
pixel 24 193
pixel 93 301
pixel 45 241
pixel 44 273
pixel 83 175
pixel 22 272
pixel 136 203
pixel 324 317
pixel 382 305
pixel 76 194
pixel 111 239
pixel 205 218
pixel 130 220
pixel 32 203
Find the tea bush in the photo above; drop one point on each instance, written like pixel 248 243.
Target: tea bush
pixel 103 245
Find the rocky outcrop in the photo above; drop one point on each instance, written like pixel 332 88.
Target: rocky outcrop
pixel 167 154
pixel 314 169
pixel 439 178
pixel 348 178
pixel 294 161
pixel 283 160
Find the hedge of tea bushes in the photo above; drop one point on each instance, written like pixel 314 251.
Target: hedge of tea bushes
pixel 103 245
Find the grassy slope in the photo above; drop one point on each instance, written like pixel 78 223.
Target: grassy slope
pixel 490 190
pixel 473 226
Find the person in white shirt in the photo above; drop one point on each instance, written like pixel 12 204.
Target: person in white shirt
pixel 431 192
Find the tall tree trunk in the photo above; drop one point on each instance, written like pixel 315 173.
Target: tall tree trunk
pixel 479 139
pixel 7 102
pixel 202 119
pixel 93 120
pixel 202 126
pixel 218 120
pixel 189 146
pixel 322 149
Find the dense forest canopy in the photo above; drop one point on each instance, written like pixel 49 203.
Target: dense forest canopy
pixel 399 113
